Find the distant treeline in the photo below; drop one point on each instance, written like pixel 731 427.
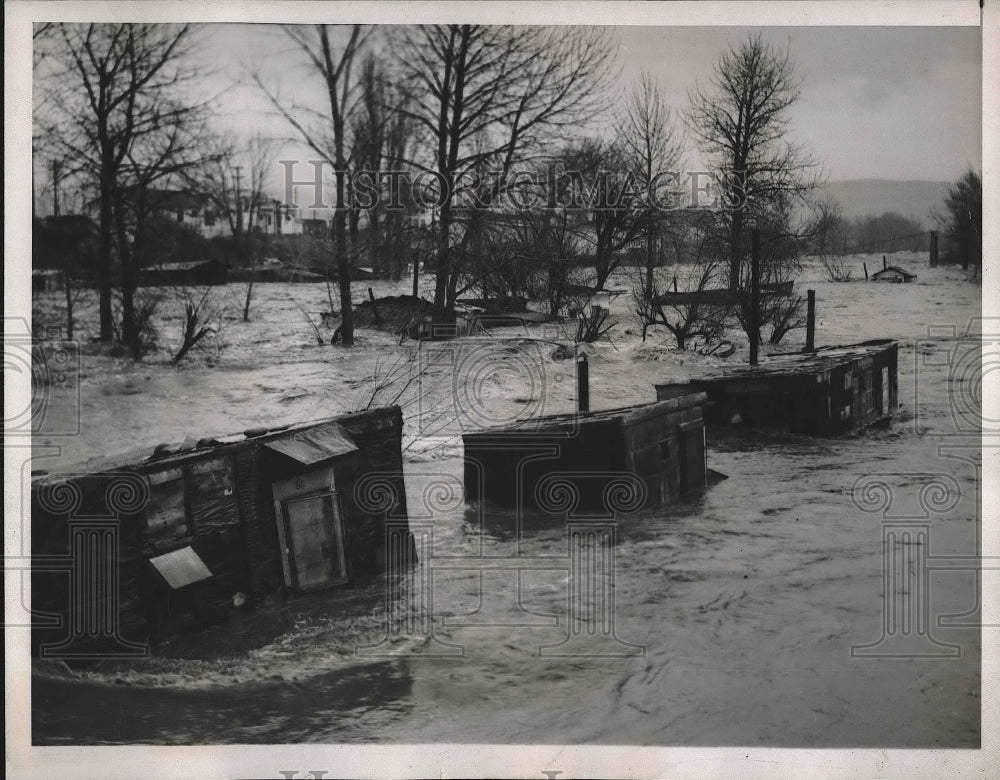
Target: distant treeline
pixel 887 232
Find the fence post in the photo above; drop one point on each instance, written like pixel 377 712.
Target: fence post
pixel 754 295
pixel 934 249
pixel 810 320
pixel 582 384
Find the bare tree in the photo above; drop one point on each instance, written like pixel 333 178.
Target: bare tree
pixel 234 184
pixel 483 94
pixel 647 133
pixel 962 220
pixel 115 85
pixel 740 121
pixel 170 146
pixel 381 139
pixel 688 315
pixel 325 132
pixel 605 191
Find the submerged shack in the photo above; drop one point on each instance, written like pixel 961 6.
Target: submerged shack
pixel 661 444
pixel 827 392
pixel 893 273
pixel 149 547
pixel 207 272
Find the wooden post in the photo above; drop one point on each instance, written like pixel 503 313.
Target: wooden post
pixel 416 274
pixel 934 249
pixel 865 266
pixel 884 263
pixel 754 295
pixel 810 320
pixel 582 384
pixel 371 297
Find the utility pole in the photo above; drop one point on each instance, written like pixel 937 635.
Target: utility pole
pixel 55 187
pixel 754 295
pixel 239 203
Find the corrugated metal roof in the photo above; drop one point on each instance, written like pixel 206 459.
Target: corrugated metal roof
pixel 315 444
pixel 181 567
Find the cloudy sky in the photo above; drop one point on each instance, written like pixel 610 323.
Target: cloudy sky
pixel 876 102
pixel 899 103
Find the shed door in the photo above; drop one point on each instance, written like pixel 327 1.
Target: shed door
pixel 692 446
pixel 885 391
pixel 314 538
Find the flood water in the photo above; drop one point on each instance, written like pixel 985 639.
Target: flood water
pixel 734 613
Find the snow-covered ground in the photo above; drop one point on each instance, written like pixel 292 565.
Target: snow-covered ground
pixel 746 601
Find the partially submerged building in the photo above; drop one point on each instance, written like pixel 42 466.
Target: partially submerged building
pixel 661 444
pixel 179 538
pixel 47 280
pixel 892 273
pixel 184 273
pixel 829 391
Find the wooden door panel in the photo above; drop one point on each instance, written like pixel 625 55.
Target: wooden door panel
pixel 314 534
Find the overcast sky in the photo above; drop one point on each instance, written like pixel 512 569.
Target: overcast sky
pixel 876 102
pixel 899 103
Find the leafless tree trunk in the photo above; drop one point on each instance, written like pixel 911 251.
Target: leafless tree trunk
pixel 648 135
pixel 235 185
pixel 603 188
pixel 740 121
pixel 115 84
pixel 488 95
pixel 328 138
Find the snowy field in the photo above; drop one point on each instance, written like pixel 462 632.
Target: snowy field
pixel 736 611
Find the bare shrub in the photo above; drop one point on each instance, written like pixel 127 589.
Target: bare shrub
pixel 593 324
pixel 685 319
pixel 196 316
pixel 145 302
pixel 836 267
pixel 784 315
pixel 320 341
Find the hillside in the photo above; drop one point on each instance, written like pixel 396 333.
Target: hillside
pixel 915 199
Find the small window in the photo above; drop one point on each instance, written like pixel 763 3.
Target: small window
pixel 166 515
pixel 181 567
pixel 209 218
pixel 867 391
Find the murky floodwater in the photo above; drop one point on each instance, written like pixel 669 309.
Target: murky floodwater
pixel 734 614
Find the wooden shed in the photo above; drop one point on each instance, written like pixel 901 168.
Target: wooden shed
pixel 190 532
pixel 46 280
pixel 662 444
pixel 185 273
pixel 823 393
pixel 892 273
